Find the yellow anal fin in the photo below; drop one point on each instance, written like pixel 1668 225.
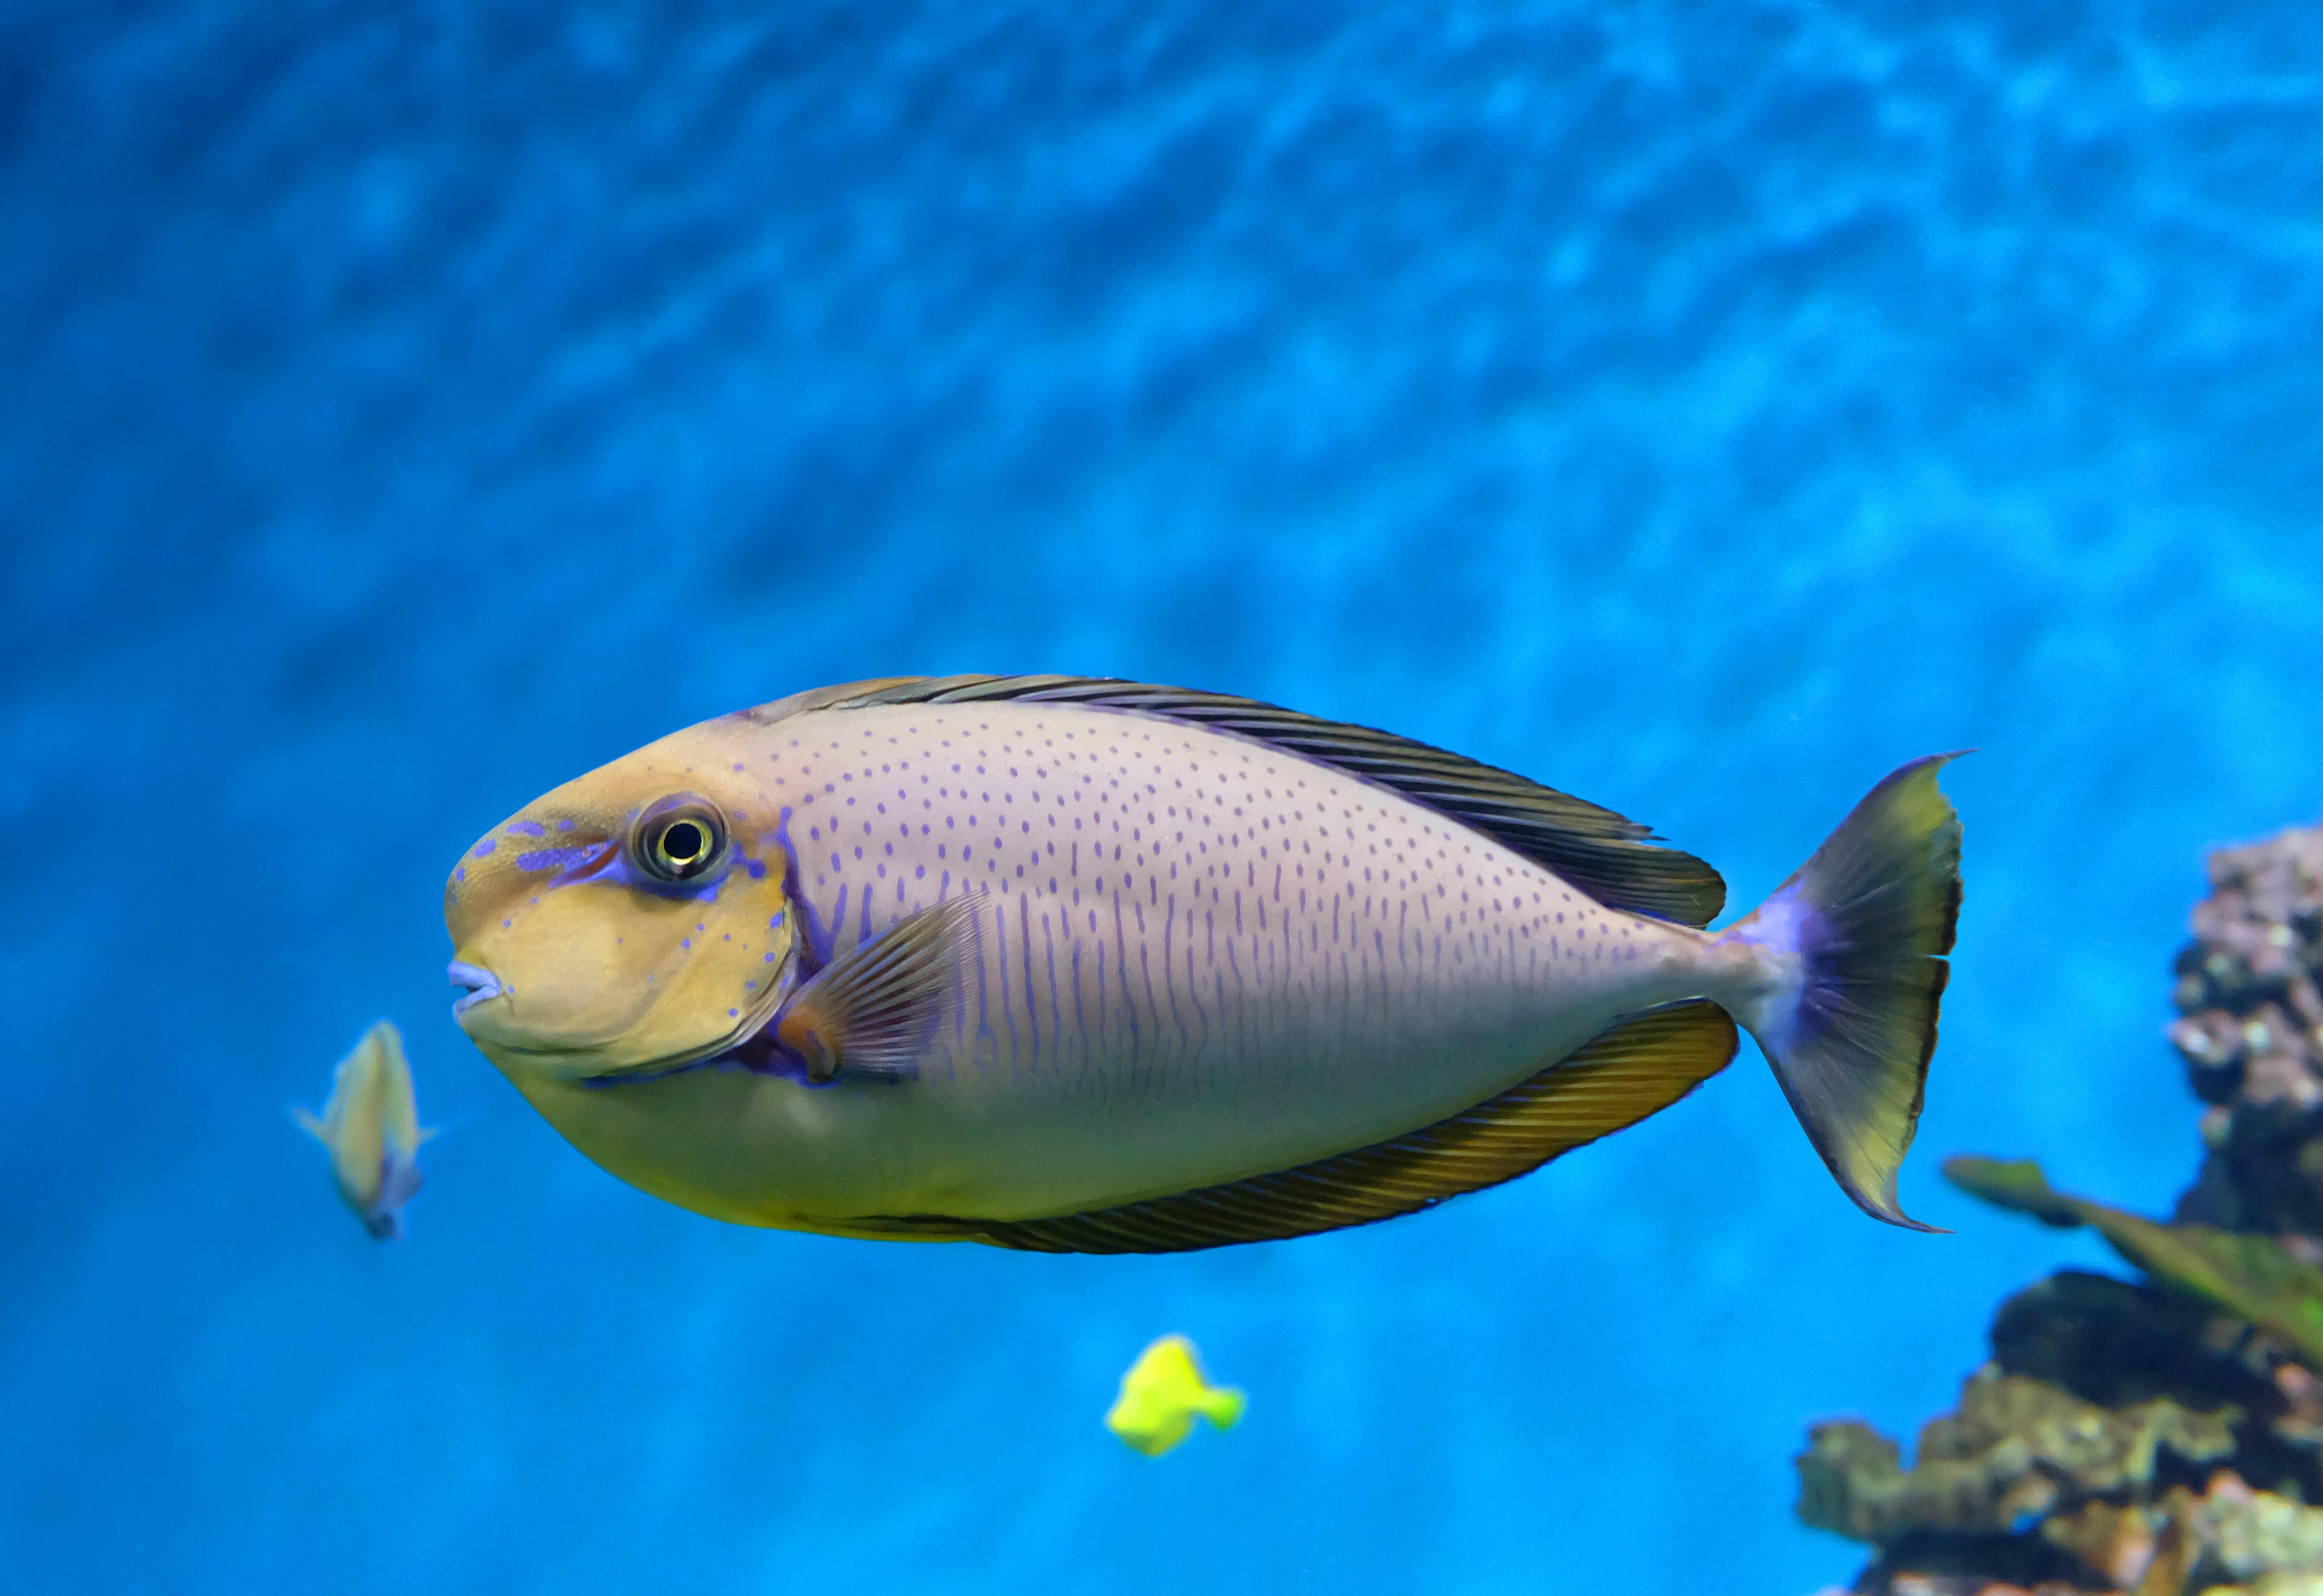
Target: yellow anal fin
pixel 1637 1068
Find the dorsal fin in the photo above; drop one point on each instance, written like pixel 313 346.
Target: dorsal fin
pixel 1612 858
pixel 1637 1068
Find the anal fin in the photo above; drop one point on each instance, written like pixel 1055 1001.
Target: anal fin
pixel 1637 1068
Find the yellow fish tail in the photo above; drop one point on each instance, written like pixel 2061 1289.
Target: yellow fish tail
pixel 1223 1406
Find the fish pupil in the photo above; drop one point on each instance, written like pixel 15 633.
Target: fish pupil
pixel 678 838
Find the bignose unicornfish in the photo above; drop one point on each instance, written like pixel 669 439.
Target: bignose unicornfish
pixel 1077 965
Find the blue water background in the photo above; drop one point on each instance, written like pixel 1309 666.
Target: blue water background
pixel 1702 408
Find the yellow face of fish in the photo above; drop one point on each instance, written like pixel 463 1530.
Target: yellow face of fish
pixel 631 921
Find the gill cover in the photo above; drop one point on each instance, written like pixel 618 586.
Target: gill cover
pixel 632 919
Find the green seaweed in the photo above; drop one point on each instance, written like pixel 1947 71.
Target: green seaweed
pixel 2252 1277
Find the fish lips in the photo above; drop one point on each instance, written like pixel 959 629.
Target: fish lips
pixel 494 1030
pixel 481 984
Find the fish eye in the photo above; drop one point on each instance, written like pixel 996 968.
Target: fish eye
pixel 679 838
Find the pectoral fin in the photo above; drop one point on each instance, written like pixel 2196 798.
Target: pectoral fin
pixel 870 1013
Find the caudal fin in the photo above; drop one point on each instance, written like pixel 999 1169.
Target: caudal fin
pixel 1223 1406
pixel 1851 948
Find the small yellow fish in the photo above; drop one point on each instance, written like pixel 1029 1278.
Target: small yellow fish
pixel 372 1126
pixel 1160 1394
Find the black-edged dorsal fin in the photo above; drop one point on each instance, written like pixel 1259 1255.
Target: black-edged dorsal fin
pixel 1611 857
pixel 1637 1068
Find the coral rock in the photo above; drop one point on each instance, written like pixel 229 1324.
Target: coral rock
pixel 2244 1533
pixel 2015 1449
pixel 2115 1543
pixel 2161 1437
pixel 2251 1032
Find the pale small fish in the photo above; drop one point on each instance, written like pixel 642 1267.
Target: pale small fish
pixel 371 1126
pixel 1072 965
pixel 1161 1394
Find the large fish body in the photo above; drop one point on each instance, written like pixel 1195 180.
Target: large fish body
pixel 983 956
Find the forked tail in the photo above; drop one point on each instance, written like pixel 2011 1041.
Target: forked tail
pixel 1851 958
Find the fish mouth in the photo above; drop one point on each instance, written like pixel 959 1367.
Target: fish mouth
pixel 481 984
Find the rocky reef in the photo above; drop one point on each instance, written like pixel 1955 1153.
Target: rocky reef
pixel 2161 1436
